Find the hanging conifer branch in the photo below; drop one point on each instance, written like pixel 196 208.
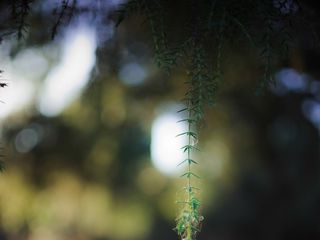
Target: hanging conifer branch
pixel 155 15
pixel 217 22
pixel 20 10
pixel 65 13
pixel 189 219
pixel 267 49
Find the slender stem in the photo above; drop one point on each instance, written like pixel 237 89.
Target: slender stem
pixel 189 186
pixel 189 155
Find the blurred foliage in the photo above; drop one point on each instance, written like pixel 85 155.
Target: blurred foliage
pixel 90 175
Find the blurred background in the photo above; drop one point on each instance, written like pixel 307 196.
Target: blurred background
pixel 88 125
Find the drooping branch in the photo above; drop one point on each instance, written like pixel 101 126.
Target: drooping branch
pixel 20 10
pixel 208 28
pixel 64 13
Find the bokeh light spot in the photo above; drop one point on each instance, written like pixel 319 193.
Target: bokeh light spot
pixel 66 81
pixel 132 74
pixel 166 147
pixel 26 140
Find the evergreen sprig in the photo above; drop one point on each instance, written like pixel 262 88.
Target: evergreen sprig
pixel 209 28
pixel 188 222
